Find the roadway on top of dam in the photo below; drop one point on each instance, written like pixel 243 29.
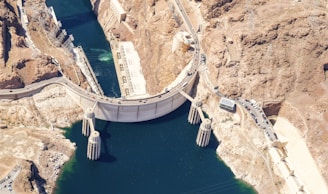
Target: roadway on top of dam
pixel 188 79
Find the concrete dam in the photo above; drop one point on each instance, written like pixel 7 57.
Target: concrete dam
pixel 96 105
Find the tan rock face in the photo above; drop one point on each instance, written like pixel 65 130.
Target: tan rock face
pixel 21 65
pixel 31 71
pixel 273 52
pixel 10 81
pixel 154 23
pixel 31 134
pixel 278 50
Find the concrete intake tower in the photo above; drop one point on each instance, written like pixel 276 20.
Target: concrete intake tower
pixel 88 128
pixel 204 133
pixel 94 146
pixel 194 116
pixel 89 116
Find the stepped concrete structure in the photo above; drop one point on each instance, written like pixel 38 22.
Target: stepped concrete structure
pixel 61 36
pixel 85 66
pixel 88 128
pixel 204 133
pixel 194 116
pixel 94 145
pixel 89 116
pixel 118 11
pixel 128 70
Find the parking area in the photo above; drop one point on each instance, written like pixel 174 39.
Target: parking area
pixel 7 182
pixel 259 117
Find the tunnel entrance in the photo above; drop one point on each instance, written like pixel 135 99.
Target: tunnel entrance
pixel 325 69
pixel 273 121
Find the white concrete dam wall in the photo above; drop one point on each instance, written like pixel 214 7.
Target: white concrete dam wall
pixel 120 110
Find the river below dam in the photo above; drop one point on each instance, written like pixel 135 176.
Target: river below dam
pixel 158 156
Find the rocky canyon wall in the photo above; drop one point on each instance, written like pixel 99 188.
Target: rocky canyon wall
pixel 273 52
pixel 20 62
pixel 150 25
pixel 31 135
pixel 2 44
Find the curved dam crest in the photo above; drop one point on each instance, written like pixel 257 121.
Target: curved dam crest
pixel 106 108
pixel 157 156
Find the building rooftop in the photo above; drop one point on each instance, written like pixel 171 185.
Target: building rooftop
pixel 118 7
pixel 227 102
pixel 135 79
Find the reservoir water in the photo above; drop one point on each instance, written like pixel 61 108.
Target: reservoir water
pixel 158 156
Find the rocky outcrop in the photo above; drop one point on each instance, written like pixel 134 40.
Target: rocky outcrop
pixel 24 53
pixel 269 49
pixel 272 51
pixel 31 133
pixel 31 71
pixel 10 81
pixel 24 180
pixel 151 27
pixel 216 8
pixel 272 108
pixel 2 44
pixel 29 179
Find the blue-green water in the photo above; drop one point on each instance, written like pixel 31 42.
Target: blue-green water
pixel 158 156
pixel 78 19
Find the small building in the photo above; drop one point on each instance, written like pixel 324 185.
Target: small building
pixel 132 79
pixel 228 104
pixel 182 40
pixel 118 11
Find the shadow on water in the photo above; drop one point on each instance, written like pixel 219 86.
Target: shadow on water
pixel 213 144
pixel 105 154
pixel 178 113
pixel 78 19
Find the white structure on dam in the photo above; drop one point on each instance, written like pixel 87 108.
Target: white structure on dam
pixel 129 71
pixel 118 11
pixel 88 129
pixel 194 116
pixel 89 117
pixel 136 110
pixel 204 133
pixel 94 145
